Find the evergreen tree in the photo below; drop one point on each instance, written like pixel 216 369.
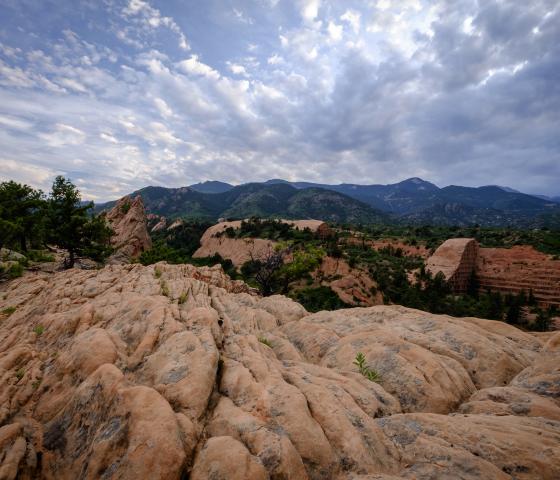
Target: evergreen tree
pixel 70 225
pixel 21 214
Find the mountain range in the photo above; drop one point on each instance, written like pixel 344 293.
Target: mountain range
pixel 412 201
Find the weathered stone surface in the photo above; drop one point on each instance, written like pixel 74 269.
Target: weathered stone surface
pixel 456 259
pixel 171 371
pixel 128 220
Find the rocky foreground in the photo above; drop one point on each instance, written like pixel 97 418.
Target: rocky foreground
pixel 174 372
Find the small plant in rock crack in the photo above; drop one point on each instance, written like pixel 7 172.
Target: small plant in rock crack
pixel 8 311
pixel 266 341
pixel 164 288
pixel 39 329
pixel 157 272
pixel 182 298
pixel 364 368
pixel 20 373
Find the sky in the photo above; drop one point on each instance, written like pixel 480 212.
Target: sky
pixel 118 95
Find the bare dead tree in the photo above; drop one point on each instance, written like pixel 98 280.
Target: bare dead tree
pixel 267 264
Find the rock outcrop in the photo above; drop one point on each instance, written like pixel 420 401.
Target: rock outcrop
pixel 172 371
pixel 128 220
pixel 505 270
pixel 241 250
pixel 456 259
pixel 511 270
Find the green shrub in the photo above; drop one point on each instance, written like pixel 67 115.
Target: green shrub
pixel 39 329
pixel 157 272
pixel 182 298
pixel 20 373
pixel 164 288
pixel 319 298
pixel 265 341
pixel 15 270
pixel 8 311
pixel 40 256
pixel 365 370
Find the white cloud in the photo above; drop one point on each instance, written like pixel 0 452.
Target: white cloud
pixel 335 31
pixel 275 60
pixel 237 69
pixel 309 9
pixel 195 67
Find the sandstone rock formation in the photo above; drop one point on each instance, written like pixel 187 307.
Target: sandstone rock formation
pixel 172 371
pixel 352 285
pixel 241 250
pixel 510 270
pixel 128 220
pixel 238 250
pixel 456 259
pixel 504 270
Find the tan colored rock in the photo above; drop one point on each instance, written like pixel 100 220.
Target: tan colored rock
pixel 241 250
pixel 456 258
pixel 473 447
pixel 173 371
pixel 353 286
pixel 128 220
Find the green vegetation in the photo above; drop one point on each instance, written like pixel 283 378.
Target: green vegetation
pixel 29 220
pixel 291 268
pixel 182 298
pixel 365 370
pixel 265 341
pixel 70 226
pixel 39 330
pixel 8 311
pixel 20 373
pixel 319 298
pixel 268 229
pixel 125 207
pixel 544 240
pixel 14 270
pixel 164 288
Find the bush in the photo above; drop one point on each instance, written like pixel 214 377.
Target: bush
pixel 8 311
pixel 319 298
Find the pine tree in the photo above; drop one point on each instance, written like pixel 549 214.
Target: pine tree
pixel 70 225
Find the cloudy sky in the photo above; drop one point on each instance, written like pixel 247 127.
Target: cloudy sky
pixel 118 95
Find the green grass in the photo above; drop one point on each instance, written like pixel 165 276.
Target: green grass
pixel 8 311
pixel 265 341
pixel 164 288
pixel 182 298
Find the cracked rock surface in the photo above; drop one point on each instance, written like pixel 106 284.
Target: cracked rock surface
pixel 175 372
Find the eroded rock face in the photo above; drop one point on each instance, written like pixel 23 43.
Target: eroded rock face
pixel 128 220
pixel 170 370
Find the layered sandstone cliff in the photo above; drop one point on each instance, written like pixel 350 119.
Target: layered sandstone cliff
pixel 172 371
pixel 505 270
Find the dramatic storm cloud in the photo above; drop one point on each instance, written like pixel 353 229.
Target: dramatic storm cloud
pixel 119 95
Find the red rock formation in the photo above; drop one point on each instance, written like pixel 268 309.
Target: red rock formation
pixel 128 220
pixel 456 259
pixel 511 270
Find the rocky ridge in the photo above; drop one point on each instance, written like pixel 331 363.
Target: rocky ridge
pixel 173 371
pixel 128 221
